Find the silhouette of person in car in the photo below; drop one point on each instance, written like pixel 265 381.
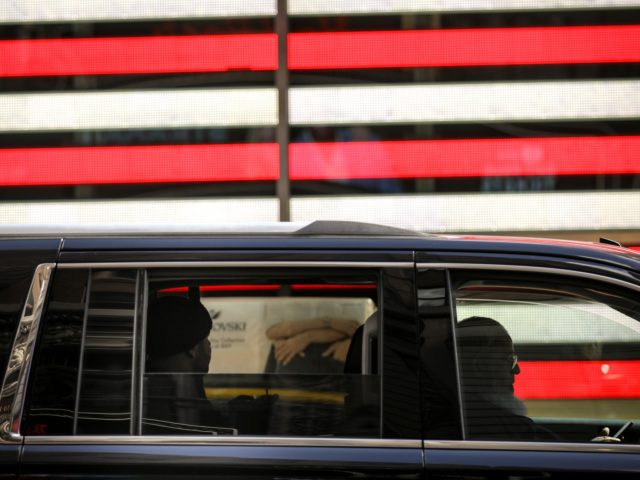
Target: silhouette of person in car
pixel 178 356
pixel 178 336
pixel 488 367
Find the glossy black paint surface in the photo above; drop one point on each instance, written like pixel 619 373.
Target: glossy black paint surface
pixel 499 464
pixel 219 461
pixel 222 255
pixel 601 253
pixel 20 255
pixel 200 242
pixel 9 460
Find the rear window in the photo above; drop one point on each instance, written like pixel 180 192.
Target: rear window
pixel 208 352
pixel 286 354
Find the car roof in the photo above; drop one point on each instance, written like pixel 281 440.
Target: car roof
pixel 310 235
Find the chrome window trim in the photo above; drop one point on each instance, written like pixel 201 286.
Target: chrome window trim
pixel 139 350
pixel 226 440
pixel 19 366
pixel 528 268
pixel 238 264
pixel 135 401
pixel 531 446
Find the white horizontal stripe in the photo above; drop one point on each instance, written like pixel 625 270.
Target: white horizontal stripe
pixel 350 7
pixel 342 105
pixel 466 102
pixel 38 11
pixel 164 228
pixel 200 214
pixel 138 109
pixel 481 213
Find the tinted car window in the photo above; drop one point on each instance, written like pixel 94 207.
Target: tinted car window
pixel 54 386
pixel 547 359
pixel 283 354
pixel 104 405
pixel 82 380
pixel 290 354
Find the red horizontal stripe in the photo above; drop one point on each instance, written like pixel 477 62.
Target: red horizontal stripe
pixel 139 164
pixel 320 161
pixel 333 287
pixel 578 379
pixel 324 50
pixel 465 158
pixel 464 47
pixel 138 55
pixel 223 288
pixel 245 288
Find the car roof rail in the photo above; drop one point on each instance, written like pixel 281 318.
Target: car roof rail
pixel 608 241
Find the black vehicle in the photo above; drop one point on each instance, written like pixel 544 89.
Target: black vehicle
pixel 326 350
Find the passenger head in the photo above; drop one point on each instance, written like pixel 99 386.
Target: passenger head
pixel 487 359
pixel 178 335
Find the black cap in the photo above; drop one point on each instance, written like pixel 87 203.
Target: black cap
pixel 482 332
pixel 176 324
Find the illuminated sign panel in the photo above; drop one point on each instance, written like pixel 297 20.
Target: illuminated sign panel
pixel 373 7
pixel 35 11
pixel 459 104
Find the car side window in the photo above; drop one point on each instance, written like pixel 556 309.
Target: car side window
pixel 546 358
pixel 218 353
pixel 266 353
pixel 83 367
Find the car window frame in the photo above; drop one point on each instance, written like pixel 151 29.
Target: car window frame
pixel 519 267
pixel 141 307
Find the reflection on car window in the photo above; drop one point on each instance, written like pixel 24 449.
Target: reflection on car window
pixel 547 359
pixel 439 387
pixel 237 356
pixel 256 357
pixel 83 370
pixel 13 291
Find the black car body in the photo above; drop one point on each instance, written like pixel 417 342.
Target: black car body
pixel 380 379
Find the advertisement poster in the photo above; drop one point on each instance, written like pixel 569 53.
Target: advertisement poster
pixel 239 340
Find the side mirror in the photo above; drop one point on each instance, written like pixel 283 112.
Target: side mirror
pixel 604 437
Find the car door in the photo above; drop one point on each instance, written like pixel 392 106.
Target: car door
pixel 540 364
pixel 19 298
pixel 311 371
